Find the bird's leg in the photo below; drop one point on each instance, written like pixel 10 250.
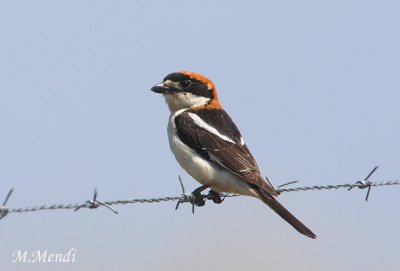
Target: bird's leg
pixel 215 197
pixel 198 198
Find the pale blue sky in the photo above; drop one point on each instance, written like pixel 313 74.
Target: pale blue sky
pixel 313 86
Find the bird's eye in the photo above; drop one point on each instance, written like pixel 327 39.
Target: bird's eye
pixel 185 84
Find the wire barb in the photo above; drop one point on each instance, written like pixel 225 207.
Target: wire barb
pixel 185 196
pixel 93 204
pixel 3 209
pixel 365 183
pixel 279 190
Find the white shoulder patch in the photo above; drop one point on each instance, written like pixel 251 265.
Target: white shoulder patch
pixel 209 128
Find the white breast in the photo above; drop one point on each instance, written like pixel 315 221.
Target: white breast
pixel 205 172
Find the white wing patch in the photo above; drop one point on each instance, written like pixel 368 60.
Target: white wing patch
pixel 209 128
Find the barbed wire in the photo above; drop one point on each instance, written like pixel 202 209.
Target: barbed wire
pixel 188 197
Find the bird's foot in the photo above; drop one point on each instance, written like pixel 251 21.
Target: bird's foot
pixel 215 197
pixel 198 197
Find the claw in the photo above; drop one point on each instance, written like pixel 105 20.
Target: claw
pixel 198 199
pixel 215 197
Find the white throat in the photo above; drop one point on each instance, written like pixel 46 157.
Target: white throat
pixel 183 100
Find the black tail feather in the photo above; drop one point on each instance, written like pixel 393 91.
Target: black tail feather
pixel 285 214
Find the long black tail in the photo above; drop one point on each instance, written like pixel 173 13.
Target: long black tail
pixel 285 214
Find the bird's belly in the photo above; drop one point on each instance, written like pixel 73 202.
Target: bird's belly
pixel 206 172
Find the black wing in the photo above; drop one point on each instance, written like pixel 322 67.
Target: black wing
pixel 224 146
pixel 213 134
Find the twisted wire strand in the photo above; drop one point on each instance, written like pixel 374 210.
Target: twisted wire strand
pixel 359 184
pixel 91 204
pixel 151 200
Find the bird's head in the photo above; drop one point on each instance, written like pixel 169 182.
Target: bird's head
pixel 186 90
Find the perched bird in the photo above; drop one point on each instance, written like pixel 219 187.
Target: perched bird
pixel 209 146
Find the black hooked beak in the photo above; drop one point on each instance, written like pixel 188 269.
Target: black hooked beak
pixel 160 88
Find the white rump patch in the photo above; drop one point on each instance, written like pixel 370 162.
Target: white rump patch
pixel 209 128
